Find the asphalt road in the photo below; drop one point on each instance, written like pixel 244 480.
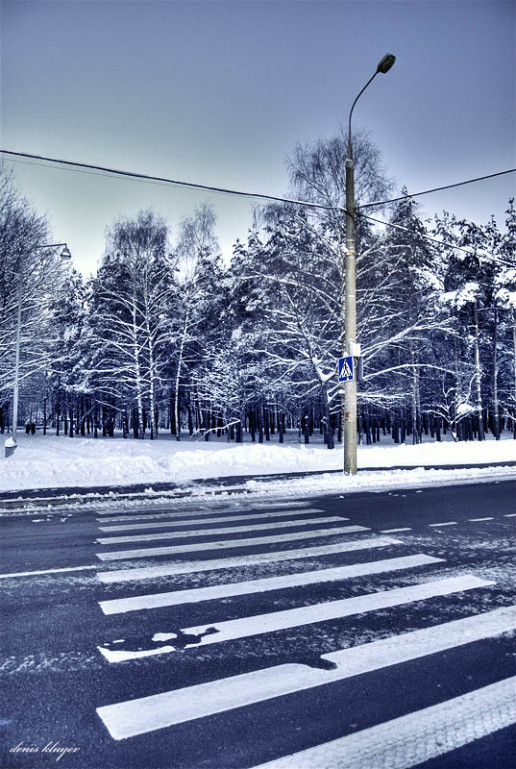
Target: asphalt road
pixel 369 631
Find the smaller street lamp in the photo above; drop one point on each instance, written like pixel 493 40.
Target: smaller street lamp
pixel 65 254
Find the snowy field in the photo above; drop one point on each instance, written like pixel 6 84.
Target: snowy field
pixel 49 462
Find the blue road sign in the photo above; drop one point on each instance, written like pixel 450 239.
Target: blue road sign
pixel 346 369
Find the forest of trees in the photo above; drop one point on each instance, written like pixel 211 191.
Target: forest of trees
pixel 169 337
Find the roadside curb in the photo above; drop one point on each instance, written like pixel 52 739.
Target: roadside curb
pixel 165 492
pixel 39 504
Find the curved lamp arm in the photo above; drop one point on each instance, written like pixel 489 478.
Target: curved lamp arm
pixel 383 66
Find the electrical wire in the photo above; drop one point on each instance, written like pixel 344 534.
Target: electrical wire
pixel 77 166
pixel 437 189
pixel 163 180
pixel 227 191
pixel 443 243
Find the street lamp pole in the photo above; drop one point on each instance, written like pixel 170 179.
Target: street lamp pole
pixel 64 254
pixel 350 301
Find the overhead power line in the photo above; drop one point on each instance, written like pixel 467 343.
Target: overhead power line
pixel 146 177
pixel 74 165
pixel 437 189
pixel 470 251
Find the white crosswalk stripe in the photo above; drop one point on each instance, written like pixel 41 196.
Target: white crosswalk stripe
pixel 203 516
pixel 169 521
pixel 394 744
pixel 138 716
pixel 182 567
pixel 123 555
pixel 245 627
pixel 178 597
pixel 296 507
pixel 412 739
pixel 215 532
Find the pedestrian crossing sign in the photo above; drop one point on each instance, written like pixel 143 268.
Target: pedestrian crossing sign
pixel 346 369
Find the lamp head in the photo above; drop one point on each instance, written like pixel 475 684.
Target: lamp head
pixel 386 63
pixel 65 253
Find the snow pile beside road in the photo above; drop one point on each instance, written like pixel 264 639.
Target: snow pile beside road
pixel 433 453
pixel 50 462
pixel 379 480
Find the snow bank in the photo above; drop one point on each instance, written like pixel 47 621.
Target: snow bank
pixel 49 462
pixel 378 480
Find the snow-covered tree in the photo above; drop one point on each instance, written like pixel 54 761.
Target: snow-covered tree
pixel 196 328
pixel 130 316
pixel 30 275
pixel 504 301
pixel 65 383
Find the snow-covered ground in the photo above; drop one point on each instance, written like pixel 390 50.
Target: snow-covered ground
pixel 48 462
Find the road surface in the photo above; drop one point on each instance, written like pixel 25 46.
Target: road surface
pixel 368 631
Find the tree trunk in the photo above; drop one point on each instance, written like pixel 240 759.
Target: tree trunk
pixel 140 428
pixel 306 429
pixel 514 364
pixel 260 424
pixel 239 430
pixel 178 374
pixel 281 427
pixel 45 415
pixel 329 435
pixel 496 405
pixel 416 432
pixel 478 374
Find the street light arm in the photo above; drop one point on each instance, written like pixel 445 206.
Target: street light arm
pixel 65 252
pixel 384 66
pixel 350 151
pixel 49 245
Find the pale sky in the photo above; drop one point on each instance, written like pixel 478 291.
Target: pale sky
pixel 218 92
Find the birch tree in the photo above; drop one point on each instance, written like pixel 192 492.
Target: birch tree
pixel 30 276
pixel 504 298
pixel 197 321
pixel 130 317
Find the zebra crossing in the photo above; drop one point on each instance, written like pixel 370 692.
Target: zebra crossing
pixel 176 597
pixel 306 534
pixel 410 740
